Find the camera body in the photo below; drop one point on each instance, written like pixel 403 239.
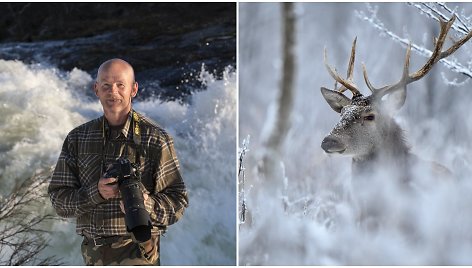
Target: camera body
pixel 137 218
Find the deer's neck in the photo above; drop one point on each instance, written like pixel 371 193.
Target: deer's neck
pixel 391 154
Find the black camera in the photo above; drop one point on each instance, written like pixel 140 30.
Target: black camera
pixel 137 218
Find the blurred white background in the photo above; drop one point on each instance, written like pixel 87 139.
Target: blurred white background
pixel 318 226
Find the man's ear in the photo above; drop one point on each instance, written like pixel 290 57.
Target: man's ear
pixel 335 99
pixel 95 88
pixel 134 91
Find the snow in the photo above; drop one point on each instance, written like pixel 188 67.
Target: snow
pixel 311 218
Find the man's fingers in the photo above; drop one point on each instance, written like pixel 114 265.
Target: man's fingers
pixel 106 190
pixel 107 180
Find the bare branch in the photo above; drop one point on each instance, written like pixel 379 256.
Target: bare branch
pixel 23 226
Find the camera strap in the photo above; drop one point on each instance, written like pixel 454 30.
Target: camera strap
pixel 136 129
pixel 133 153
pixel 136 137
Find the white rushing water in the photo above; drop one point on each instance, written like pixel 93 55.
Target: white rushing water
pixel 317 223
pixel 40 105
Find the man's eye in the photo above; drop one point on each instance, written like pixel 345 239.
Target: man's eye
pixel 369 117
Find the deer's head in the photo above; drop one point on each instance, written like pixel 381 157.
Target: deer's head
pixel 366 121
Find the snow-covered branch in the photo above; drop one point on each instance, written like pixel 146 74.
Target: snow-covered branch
pixel 242 181
pixel 433 11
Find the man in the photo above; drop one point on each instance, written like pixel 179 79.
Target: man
pixel 78 187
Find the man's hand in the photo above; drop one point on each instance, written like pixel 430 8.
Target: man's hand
pixel 122 206
pixel 108 191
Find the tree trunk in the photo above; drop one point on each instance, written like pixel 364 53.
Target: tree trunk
pixel 273 146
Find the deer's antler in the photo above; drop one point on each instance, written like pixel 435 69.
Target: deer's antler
pixel 437 55
pixel 347 84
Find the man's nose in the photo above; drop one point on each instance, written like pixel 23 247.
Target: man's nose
pixel 114 88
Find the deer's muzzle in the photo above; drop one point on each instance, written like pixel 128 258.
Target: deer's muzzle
pixel 332 145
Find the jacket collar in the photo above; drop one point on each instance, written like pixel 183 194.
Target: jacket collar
pixel 124 130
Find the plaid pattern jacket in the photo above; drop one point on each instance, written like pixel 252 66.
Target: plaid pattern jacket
pixel 88 149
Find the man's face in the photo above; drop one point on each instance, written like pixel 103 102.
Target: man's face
pixel 115 86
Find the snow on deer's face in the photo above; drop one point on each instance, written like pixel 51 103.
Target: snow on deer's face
pixel 359 130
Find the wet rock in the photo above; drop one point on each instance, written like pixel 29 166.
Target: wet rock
pixel 165 42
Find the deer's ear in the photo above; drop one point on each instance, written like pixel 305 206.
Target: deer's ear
pixel 335 99
pixel 395 100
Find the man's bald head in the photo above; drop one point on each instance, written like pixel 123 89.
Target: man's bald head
pixel 116 65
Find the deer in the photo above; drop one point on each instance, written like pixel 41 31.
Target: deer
pixel 367 131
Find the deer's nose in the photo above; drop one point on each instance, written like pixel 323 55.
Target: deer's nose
pixel 332 145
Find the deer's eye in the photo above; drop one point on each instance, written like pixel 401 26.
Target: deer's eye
pixel 369 117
